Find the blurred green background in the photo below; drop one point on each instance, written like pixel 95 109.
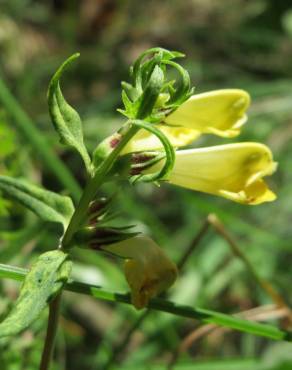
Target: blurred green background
pixel 228 43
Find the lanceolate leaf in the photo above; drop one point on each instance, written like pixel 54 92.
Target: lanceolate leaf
pixel 45 279
pixel 201 314
pixel 66 120
pixel 49 206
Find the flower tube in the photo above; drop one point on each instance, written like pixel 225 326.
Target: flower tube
pixel 218 112
pixel 233 171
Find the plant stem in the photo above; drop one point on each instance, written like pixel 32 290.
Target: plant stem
pixel 89 193
pixel 54 309
pixel 261 313
pixel 159 304
pixel 195 242
pixel 93 185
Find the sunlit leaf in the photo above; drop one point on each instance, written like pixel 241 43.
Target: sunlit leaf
pixel 49 206
pixel 45 279
pixel 66 120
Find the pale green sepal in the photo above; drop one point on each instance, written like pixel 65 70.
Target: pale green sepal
pixel 45 279
pixel 49 206
pixel 66 120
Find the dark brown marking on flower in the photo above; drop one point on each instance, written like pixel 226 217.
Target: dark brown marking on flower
pixel 135 171
pixel 95 246
pixel 141 158
pixel 97 205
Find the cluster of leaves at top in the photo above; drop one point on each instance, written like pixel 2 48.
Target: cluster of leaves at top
pixel 151 95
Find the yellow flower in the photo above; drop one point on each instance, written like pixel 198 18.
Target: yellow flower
pixel 147 268
pixel 233 171
pixel 219 112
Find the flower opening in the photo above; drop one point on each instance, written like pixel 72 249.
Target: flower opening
pixel 218 112
pixel 233 171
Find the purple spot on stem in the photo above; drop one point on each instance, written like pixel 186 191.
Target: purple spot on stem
pixel 115 141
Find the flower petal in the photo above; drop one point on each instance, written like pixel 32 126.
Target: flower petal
pixel 144 140
pixel 219 112
pixel 148 270
pixel 233 171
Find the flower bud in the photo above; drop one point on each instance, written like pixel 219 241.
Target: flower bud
pixel 95 237
pixel 97 209
pixel 151 94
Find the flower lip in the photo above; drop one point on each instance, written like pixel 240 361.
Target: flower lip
pixel 220 112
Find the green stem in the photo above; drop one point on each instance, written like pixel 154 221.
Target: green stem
pixel 93 185
pixel 38 141
pixel 54 310
pixel 89 192
pixel 200 314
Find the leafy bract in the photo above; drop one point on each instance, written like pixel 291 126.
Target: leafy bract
pixel 49 206
pixel 45 279
pixel 66 120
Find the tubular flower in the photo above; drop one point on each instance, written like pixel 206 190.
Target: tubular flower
pixel 147 268
pixel 233 171
pixel 218 112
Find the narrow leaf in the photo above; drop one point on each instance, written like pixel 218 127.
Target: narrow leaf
pixel 200 314
pixel 45 279
pixel 151 93
pixel 37 141
pixel 49 206
pixel 66 120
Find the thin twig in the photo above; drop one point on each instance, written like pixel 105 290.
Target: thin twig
pixel 195 242
pixel 262 313
pixel 263 283
pixel 273 314
pixel 213 220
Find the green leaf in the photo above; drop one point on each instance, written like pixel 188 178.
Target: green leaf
pixel 224 364
pixel 159 304
pixel 45 279
pixel 49 206
pixel 37 141
pixel 66 120
pixel 151 93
